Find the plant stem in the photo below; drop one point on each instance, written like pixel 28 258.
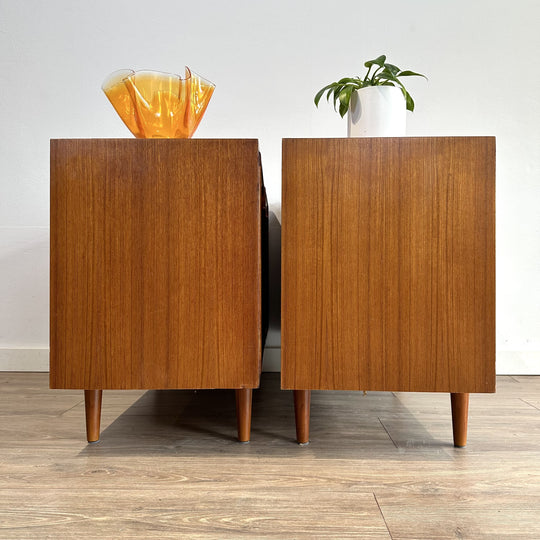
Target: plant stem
pixel 367 74
pixel 377 71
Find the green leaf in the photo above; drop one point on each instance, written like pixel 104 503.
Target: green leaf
pixel 408 73
pixel 408 100
pixel 393 69
pixel 336 91
pixel 378 61
pixel 349 80
pixel 343 108
pixel 320 93
pixel 345 94
pixel 385 74
pixel 344 100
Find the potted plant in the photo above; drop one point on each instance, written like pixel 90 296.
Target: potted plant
pixel 376 104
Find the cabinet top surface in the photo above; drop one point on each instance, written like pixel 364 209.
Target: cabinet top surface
pixel 159 141
pixel 389 139
pixel 202 147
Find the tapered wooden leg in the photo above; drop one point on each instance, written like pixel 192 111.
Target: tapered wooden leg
pixel 302 403
pixel 460 415
pixel 92 402
pixel 243 413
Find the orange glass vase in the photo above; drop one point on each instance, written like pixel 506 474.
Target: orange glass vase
pixel 158 105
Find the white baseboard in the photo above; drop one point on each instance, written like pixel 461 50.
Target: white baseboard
pixel 508 362
pixel 24 359
pixel 518 362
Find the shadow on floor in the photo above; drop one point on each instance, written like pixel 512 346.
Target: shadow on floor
pixel 343 425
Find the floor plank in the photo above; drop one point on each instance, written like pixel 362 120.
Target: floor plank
pixel 194 512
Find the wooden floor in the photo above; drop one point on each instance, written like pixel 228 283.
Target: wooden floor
pixel 168 465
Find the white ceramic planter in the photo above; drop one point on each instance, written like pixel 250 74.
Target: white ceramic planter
pixel 377 111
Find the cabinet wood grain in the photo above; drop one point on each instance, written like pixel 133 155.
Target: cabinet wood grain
pixel 155 264
pixel 388 268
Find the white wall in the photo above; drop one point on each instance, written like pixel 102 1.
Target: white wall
pixel 268 59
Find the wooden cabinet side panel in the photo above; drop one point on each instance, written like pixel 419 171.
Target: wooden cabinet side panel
pixel 388 264
pixel 77 322
pixel 155 264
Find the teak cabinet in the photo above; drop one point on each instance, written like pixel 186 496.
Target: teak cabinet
pixel 156 268
pixel 388 268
